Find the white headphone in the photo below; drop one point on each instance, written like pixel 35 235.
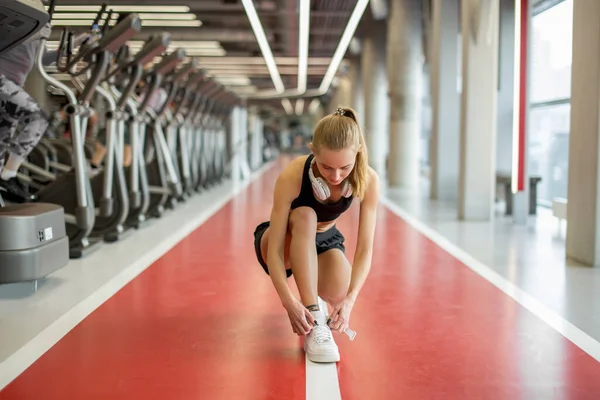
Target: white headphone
pixel 320 188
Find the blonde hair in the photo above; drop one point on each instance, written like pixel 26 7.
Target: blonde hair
pixel 339 131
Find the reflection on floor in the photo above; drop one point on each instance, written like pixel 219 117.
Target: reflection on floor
pixel 531 256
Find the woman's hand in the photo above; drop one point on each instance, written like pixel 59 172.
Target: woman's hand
pixel 301 319
pixel 340 317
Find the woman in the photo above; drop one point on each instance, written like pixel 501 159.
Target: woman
pixel 301 237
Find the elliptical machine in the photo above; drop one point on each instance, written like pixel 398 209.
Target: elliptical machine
pixel 73 189
pixel 33 240
pixel 111 225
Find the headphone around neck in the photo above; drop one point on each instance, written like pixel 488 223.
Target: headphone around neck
pixel 320 187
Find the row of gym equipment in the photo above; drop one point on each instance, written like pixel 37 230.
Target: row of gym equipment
pixel 169 116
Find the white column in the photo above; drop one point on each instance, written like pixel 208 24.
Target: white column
pixel 235 140
pixel 245 167
pixel 405 73
pixel 477 172
pixel 375 87
pixel 583 209
pixel 445 100
pixel 239 165
pixel 257 142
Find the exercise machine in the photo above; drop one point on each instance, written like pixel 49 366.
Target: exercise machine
pixel 111 225
pixel 73 189
pixel 20 20
pixel 33 240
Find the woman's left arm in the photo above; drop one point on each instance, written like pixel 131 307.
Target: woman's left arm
pixel 361 266
pixel 366 232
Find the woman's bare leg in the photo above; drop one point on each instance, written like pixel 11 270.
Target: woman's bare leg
pixel 303 255
pixel 300 253
pixel 334 276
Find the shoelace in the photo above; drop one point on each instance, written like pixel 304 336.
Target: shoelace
pixel 322 334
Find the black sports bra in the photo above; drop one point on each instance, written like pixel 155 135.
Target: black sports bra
pixel 306 198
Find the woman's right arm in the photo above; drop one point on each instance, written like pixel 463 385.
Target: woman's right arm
pixel 282 201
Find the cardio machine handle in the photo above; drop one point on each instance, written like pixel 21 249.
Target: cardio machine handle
pixel 206 86
pixel 170 62
pixel 120 34
pixel 195 78
pixel 209 93
pixel 185 70
pixel 51 9
pixel 226 98
pixel 153 48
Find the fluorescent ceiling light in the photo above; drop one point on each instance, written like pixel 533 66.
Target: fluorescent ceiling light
pixel 299 106
pixel 86 16
pixel 147 22
pixel 379 9
pixel 201 52
pixel 157 16
pixel 233 80
pixel 303 42
pixel 143 17
pixel 314 105
pixel 244 89
pixel 336 60
pixel 123 8
pixel 354 46
pixel 343 44
pixel 83 22
pixel 287 105
pixel 259 73
pixel 265 49
pixel 291 61
pixel 191 44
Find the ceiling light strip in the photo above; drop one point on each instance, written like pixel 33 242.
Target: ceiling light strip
pixel 355 18
pixel 299 106
pixel 85 22
pixel 143 16
pixel 287 105
pixel 334 65
pixel 265 49
pixel 125 8
pixel 291 61
pixel 303 42
pixel 314 106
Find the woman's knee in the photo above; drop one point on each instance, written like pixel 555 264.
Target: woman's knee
pixel 333 292
pixel 334 276
pixel 302 220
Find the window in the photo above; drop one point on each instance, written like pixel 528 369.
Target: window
pixel 549 150
pixel 551 56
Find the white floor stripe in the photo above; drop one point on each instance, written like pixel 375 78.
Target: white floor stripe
pixel 19 361
pixel 322 381
pixel 567 329
pixel 322 378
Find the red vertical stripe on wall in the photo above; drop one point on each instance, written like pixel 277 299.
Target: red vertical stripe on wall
pixel 523 93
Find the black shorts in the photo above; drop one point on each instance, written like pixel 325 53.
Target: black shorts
pixel 330 239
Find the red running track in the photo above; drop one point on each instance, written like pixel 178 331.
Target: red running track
pixel 204 322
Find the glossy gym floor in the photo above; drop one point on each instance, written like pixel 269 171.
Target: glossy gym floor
pixel 183 311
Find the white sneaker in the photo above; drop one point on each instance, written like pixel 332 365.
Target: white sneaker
pixel 319 344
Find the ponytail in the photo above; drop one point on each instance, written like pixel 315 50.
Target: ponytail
pixel 359 177
pixel 339 131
